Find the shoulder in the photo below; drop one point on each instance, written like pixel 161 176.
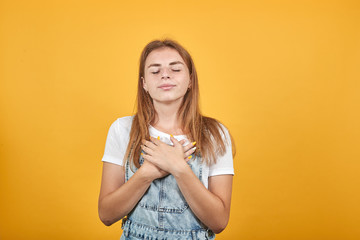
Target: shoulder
pixel 125 121
pixel 122 123
pixel 120 128
pixel 117 140
pixel 225 132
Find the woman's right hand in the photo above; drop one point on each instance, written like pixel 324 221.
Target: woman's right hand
pixel 151 171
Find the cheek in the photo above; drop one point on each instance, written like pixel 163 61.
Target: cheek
pixel 186 81
pixel 150 81
pixel 152 88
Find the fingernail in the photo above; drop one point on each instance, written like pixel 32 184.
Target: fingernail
pixel 193 143
pixel 158 137
pixel 142 154
pixel 171 135
pixel 194 148
pixel 189 157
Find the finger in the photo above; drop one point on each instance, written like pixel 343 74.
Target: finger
pixel 190 151
pixel 188 158
pixel 156 141
pixel 147 150
pixel 149 144
pixel 187 147
pixel 174 141
pixel 182 141
pixel 148 158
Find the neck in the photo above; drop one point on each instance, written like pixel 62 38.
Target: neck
pixel 166 118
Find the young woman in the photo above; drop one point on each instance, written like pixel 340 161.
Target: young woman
pixel 167 170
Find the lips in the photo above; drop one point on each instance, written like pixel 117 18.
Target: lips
pixel 166 86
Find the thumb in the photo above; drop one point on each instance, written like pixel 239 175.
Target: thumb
pixel 174 141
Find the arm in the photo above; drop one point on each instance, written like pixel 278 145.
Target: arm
pixel 214 212
pixel 118 198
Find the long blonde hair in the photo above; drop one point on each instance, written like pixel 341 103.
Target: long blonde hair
pixel 204 130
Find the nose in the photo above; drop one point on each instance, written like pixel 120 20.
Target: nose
pixel 165 74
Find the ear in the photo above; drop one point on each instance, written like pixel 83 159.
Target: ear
pixel 144 83
pixel 190 81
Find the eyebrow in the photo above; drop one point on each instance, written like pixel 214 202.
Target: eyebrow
pixel 158 64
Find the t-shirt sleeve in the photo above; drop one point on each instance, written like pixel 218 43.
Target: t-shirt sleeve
pixel 224 163
pixel 117 141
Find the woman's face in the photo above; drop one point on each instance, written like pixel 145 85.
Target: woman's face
pixel 166 76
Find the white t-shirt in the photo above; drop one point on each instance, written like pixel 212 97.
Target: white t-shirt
pixel 119 135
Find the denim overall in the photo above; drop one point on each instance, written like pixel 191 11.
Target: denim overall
pixel 163 213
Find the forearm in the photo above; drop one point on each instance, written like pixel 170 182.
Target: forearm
pixel 119 203
pixel 208 207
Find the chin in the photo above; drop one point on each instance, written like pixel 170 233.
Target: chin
pixel 168 99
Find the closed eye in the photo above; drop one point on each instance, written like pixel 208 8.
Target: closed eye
pixel 175 70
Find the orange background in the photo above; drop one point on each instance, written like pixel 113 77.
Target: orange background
pixel 284 76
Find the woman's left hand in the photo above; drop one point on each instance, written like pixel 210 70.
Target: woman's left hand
pixel 165 156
